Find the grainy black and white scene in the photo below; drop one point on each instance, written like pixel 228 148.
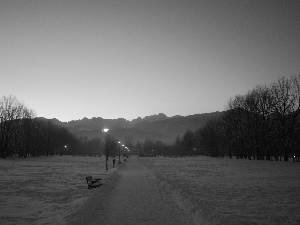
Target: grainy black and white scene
pixel 150 112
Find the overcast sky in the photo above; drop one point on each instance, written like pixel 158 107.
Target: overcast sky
pixel 127 58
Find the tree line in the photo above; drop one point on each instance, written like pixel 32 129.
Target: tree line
pixel 262 124
pixel 23 135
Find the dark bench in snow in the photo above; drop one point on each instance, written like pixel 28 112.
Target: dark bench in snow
pixel 93 182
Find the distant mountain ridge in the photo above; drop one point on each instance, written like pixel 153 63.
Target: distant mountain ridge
pixel 154 127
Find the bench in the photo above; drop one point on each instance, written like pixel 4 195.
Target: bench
pixel 92 183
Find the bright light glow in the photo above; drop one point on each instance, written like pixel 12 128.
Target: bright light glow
pixel 119 142
pixel 65 146
pixel 123 145
pixel 105 130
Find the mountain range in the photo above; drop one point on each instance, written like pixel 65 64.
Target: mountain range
pixel 154 127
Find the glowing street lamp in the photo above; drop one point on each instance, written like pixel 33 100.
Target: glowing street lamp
pixel 105 130
pixel 66 147
pixel 62 151
pixel 119 152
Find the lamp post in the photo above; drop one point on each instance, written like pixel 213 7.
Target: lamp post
pixel 119 152
pixel 123 150
pixel 105 130
pixel 63 151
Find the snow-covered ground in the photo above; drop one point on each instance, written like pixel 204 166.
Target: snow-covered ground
pixel 230 191
pixel 44 190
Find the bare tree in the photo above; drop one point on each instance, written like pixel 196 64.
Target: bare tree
pixel 286 94
pixel 12 114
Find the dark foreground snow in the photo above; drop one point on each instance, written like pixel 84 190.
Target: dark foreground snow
pixel 44 190
pixel 52 190
pixel 230 191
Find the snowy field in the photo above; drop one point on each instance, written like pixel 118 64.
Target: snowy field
pixel 230 191
pixel 44 190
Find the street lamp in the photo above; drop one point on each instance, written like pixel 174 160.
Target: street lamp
pixel 119 152
pixel 63 151
pixel 105 130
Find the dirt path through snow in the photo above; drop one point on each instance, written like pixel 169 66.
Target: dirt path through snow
pixel 130 197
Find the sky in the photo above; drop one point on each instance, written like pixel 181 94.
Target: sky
pixel 134 58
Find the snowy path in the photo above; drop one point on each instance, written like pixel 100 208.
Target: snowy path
pixel 131 197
